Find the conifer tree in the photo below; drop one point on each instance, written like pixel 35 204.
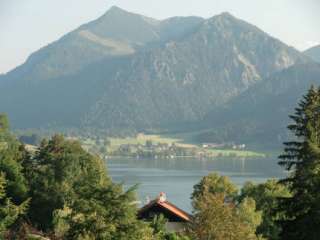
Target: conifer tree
pixel 302 158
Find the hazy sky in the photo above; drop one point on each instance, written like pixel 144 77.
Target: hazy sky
pixel 27 25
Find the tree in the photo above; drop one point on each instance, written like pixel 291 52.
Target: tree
pixel 102 213
pixel 302 158
pixel 215 219
pixel 73 196
pixel 248 213
pixel 54 171
pixel 215 184
pixel 9 212
pixel 176 236
pixel 217 215
pixel 266 198
pixel 12 155
pixel 158 225
pixel 4 122
pixel 11 164
pixel 32 139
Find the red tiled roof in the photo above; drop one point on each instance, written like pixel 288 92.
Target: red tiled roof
pixel 169 206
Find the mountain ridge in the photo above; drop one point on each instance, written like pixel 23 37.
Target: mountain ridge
pixel 194 66
pixel 313 53
pixel 260 115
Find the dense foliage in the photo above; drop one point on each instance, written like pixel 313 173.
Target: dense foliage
pixel 64 191
pixel 13 187
pixel 217 214
pixel 266 196
pixel 9 212
pixel 302 158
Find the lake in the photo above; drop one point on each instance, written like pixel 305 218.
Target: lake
pixel 176 177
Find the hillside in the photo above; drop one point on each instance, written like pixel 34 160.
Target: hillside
pixel 259 116
pixel 314 53
pixel 126 71
pixel 116 33
pixel 184 79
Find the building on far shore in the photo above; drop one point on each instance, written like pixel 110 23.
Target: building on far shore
pixel 176 217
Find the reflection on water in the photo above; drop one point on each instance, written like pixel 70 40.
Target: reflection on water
pixel 176 177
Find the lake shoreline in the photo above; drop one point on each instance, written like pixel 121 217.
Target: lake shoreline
pixel 264 156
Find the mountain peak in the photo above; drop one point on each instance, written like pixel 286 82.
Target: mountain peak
pixel 222 17
pixel 122 14
pixel 226 15
pixel 116 9
pixel 226 20
pixel 114 12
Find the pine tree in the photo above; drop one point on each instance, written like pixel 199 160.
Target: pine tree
pixel 302 158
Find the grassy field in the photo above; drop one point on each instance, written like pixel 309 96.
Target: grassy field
pixel 180 141
pixel 142 139
pixel 235 153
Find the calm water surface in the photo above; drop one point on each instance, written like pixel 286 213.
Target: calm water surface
pixel 176 177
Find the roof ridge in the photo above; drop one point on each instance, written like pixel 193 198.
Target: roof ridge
pixel 176 210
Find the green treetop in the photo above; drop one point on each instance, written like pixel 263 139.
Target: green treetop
pixel 12 155
pixel 4 122
pixel 9 212
pixel 266 197
pixel 72 195
pixel 217 214
pixel 302 158
pixel 215 184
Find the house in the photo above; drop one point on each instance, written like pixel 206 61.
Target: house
pixel 213 145
pixel 177 218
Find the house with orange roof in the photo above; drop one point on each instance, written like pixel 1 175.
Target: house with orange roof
pixel 176 217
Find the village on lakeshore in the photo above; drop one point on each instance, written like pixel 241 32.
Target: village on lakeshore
pixel 157 146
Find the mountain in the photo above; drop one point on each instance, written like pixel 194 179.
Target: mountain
pixel 116 33
pixel 126 71
pixel 314 53
pixel 184 79
pixel 260 115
